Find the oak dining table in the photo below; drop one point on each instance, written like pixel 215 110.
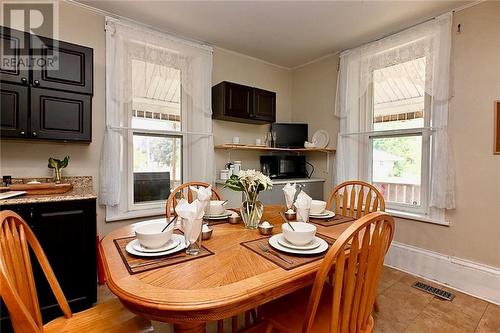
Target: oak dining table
pixel 233 280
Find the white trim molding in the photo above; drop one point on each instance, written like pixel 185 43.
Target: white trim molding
pixel 475 279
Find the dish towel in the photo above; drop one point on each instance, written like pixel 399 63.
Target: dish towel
pixel 192 217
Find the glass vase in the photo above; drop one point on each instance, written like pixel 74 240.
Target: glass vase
pixel 57 176
pixel 251 213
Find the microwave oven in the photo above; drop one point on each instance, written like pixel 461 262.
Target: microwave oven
pixel 283 166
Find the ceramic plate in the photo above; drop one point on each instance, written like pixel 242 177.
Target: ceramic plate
pixel 321 138
pixel 329 214
pixel 226 214
pixel 273 241
pixel 324 213
pixel 312 245
pixel 178 238
pixel 170 245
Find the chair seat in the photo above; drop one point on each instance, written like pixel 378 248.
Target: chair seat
pixel 287 314
pixel 108 317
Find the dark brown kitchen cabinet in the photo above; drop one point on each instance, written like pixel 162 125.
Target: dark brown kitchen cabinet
pixel 67 66
pixel 14 110
pixel 49 97
pixel 240 103
pixel 14 54
pixel 67 233
pixel 60 115
pixel 264 105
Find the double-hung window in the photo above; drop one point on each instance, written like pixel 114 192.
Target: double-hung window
pixel 158 119
pixel 392 101
pixel 399 139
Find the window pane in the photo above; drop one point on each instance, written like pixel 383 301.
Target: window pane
pixel 156 102
pixel 396 168
pixel 399 96
pixel 157 166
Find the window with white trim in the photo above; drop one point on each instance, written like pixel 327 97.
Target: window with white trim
pixel 155 158
pixel 400 142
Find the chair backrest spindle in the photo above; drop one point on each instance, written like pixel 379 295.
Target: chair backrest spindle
pixel 183 191
pixel 355 199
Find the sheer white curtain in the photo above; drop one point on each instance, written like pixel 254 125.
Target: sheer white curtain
pixel 354 107
pixel 126 43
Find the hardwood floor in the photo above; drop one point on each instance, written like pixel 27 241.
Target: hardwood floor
pixel 404 309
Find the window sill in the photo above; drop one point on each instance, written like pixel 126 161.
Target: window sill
pixel 417 217
pixel 135 214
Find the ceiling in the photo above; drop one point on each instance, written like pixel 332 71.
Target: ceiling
pixel 286 33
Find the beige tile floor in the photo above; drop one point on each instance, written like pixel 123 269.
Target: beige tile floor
pixel 406 309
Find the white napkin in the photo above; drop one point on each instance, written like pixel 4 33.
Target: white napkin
pixel 289 191
pixel 303 201
pixel 203 194
pixel 192 216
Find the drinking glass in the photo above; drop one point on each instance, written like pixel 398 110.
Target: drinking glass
pixel 269 139
pixel 303 214
pixel 192 236
pixel 274 135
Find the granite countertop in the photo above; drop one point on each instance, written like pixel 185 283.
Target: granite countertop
pixel 284 181
pixel 82 189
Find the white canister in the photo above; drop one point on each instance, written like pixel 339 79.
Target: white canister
pixel 237 168
pixel 236 140
pixel 224 174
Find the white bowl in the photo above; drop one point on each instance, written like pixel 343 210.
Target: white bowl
pixel 304 232
pixel 216 207
pixel 150 235
pixel 317 206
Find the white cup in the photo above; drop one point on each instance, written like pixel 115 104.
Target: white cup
pixel 258 142
pixel 236 140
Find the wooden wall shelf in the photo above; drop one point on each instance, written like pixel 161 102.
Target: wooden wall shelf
pixel 264 148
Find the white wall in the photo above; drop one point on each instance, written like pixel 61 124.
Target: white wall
pixel 230 66
pixel 313 102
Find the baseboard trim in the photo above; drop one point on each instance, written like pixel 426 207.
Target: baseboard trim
pixel 472 278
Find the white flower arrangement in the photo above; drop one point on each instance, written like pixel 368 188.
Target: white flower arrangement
pixel 249 181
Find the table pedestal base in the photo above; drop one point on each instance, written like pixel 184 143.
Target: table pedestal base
pixel 190 327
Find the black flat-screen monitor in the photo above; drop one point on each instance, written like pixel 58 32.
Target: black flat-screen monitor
pixel 290 135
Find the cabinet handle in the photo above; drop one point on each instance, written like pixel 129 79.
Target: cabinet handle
pixel 36 83
pixel 34 133
pixel 24 80
pixel 22 133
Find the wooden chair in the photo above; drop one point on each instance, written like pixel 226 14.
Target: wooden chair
pixel 183 191
pixel 19 291
pixel 345 306
pixel 355 198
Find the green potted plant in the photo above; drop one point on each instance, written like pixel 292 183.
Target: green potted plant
pixel 58 165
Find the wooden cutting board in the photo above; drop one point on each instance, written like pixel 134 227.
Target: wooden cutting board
pixel 39 189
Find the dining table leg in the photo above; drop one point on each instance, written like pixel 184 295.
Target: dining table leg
pixel 190 327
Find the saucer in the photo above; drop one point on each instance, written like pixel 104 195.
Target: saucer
pixel 181 245
pixel 226 214
pixel 326 215
pixel 309 246
pixel 168 246
pixel 273 241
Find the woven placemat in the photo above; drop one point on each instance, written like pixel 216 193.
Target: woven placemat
pixel 296 260
pixel 337 219
pixel 137 264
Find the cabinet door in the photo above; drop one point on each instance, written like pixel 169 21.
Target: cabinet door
pixel 65 66
pixel 67 233
pixel 14 54
pixel 60 115
pixel 264 105
pixel 13 110
pixel 238 100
